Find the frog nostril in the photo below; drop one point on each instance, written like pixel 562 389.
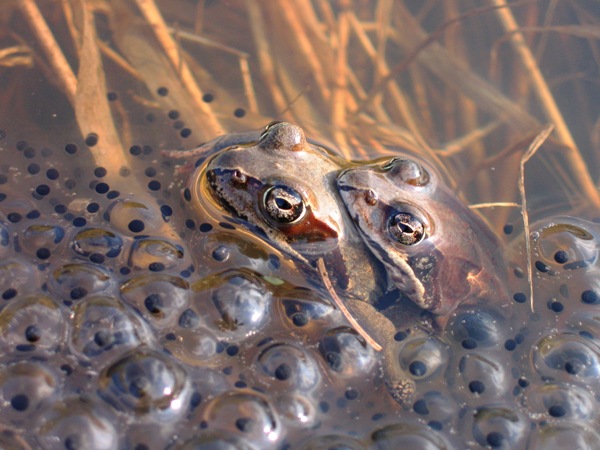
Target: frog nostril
pixel 239 178
pixel 371 197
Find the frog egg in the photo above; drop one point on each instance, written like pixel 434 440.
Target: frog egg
pixel 31 324
pixel 497 426
pixel 480 376
pixel 73 282
pixel 197 347
pixel 409 435
pixel 215 440
pixel 331 441
pixel 78 423
pixel 425 357
pixel 567 357
pixel 147 384
pixel 296 410
pixel 287 368
pixel 5 240
pixel 25 388
pixel 132 218
pixel 306 313
pixel 159 298
pixel 559 436
pixel 346 355
pixel 246 414
pixel 17 277
pixel 39 236
pixel 479 327
pixel 561 402
pixel 243 303
pixel 97 241
pixel 437 408
pixel 157 255
pixel 102 329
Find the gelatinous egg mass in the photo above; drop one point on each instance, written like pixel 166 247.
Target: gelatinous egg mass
pixel 128 320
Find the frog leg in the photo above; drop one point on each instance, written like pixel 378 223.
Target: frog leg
pixel 400 386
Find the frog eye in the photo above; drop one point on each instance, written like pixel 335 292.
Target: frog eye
pixel 407 171
pixel 406 228
pixel 268 128
pixel 283 204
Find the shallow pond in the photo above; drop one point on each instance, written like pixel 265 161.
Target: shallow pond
pixel 140 313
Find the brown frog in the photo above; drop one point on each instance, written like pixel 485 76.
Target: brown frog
pixel 283 188
pixel 434 248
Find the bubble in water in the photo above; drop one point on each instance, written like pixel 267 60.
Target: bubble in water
pixel 145 382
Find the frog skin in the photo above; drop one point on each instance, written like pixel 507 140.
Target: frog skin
pixel 435 249
pixel 283 188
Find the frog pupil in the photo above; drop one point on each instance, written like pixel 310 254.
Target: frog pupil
pixel 406 228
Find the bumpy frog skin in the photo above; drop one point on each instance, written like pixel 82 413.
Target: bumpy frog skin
pixel 435 250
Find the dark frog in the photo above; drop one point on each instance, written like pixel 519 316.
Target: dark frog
pixel 434 248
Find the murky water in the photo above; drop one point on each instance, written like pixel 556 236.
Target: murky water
pixel 130 320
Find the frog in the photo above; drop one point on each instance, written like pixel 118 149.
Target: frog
pixel 436 251
pixel 281 187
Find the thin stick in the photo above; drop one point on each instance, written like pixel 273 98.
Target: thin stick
pixel 248 85
pixel 340 305
pixel 65 76
pixel 540 87
pixel 263 52
pixel 535 145
pixel 340 90
pixel 157 24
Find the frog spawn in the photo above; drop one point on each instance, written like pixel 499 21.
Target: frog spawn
pixel 115 336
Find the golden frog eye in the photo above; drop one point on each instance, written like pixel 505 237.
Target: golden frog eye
pixel 406 228
pixel 283 204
